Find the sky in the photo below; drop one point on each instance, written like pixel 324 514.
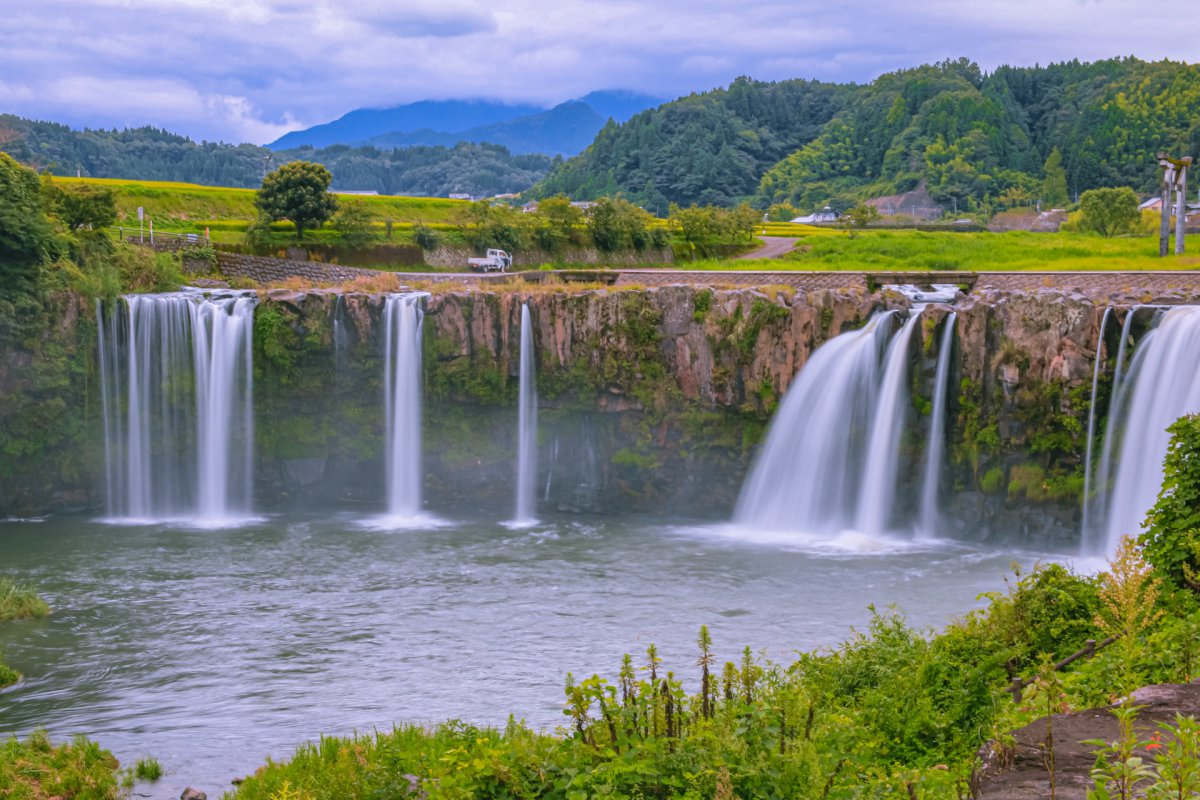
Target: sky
pixel 251 70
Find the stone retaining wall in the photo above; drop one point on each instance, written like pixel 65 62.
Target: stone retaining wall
pixel 740 278
pixel 264 269
pixel 1091 283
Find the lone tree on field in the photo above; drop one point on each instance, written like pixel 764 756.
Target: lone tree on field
pixel 297 191
pixel 1109 211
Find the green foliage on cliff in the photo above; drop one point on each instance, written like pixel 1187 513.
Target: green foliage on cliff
pixel 26 238
pixel 1171 540
pixel 974 141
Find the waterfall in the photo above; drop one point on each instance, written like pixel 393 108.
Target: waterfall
pixel 932 478
pixel 402 318
pixel 1161 385
pixel 1116 405
pixel 1085 526
pixel 804 477
pixel 342 339
pixel 224 403
pixel 526 426
pixel 181 366
pixel 877 495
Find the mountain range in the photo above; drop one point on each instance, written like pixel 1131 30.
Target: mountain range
pixel 565 129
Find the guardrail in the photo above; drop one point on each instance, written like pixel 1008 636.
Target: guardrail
pixel 161 240
pixel 1090 648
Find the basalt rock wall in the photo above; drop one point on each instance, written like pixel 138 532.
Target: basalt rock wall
pixel 651 399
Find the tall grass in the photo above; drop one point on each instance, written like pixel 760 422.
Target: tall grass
pixel 37 769
pixel 20 602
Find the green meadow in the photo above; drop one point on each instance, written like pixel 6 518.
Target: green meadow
pixel 190 208
pixel 829 249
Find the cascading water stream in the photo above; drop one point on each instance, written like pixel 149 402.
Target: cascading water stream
pixel 1163 384
pixel 402 318
pixel 224 403
pixel 180 366
pixel 1086 527
pixel 526 426
pixel 878 491
pixel 804 477
pixel 1092 543
pixel 930 516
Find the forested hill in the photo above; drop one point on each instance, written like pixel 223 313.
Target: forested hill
pixel 708 148
pixel 973 140
pixel 152 154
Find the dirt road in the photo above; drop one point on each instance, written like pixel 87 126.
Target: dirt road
pixel 773 247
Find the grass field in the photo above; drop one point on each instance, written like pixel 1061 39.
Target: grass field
pixel 826 249
pixel 189 207
pixel 227 213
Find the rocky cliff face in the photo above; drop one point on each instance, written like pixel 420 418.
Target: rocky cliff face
pixel 651 399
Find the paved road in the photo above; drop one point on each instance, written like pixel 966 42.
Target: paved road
pixel 773 247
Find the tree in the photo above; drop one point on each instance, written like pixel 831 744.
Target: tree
pixel 80 206
pixel 695 224
pixel 858 217
pixel 485 225
pixel 354 223
pixel 615 223
pixel 297 191
pixel 1054 184
pixel 782 212
pixel 556 220
pixel 26 237
pixel 1109 211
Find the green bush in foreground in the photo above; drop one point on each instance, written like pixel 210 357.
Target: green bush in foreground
pixel 1172 537
pixel 36 769
pixel 20 602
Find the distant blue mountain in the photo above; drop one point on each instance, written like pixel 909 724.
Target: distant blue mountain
pixel 437 115
pixel 620 104
pixel 566 129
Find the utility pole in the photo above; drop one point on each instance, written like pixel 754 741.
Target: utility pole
pixel 1174 179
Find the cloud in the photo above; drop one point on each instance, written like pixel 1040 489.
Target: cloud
pixel 249 69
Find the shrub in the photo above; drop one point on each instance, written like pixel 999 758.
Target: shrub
pixel 992 481
pixel 426 237
pixel 20 602
pixel 354 222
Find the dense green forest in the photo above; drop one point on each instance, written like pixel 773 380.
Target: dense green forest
pixel 976 141
pixel 152 154
pixel 708 149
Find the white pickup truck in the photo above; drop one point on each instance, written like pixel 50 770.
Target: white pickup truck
pixel 496 261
